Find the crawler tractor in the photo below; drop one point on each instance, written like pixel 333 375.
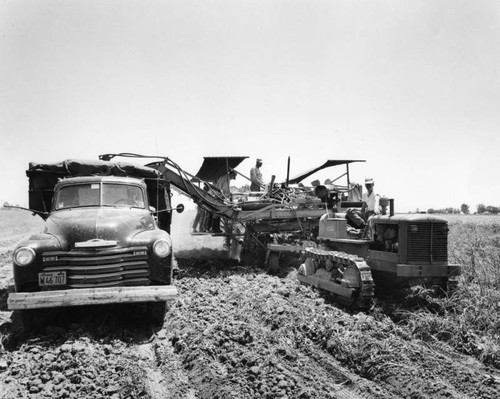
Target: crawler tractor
pixel 394 251
pixel 404 250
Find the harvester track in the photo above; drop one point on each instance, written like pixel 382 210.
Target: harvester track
pixel 345 277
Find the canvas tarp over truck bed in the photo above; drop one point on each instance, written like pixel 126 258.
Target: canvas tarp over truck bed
pixel 43 178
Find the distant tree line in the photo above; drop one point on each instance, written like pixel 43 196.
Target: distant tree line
pixel 443 210
pixel 464 208
pixel 481 208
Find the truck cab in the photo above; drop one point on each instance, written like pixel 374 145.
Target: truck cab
pixel 105 240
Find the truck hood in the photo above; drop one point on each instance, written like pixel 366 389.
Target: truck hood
pixel 78 225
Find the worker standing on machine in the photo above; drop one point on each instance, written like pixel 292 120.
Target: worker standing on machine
pixel 256 176
pixel 223 183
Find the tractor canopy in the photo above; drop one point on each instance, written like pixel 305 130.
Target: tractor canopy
pixel 215 167
pixel 327 164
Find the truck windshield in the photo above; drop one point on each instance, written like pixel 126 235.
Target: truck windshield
pixel 122 195
pixel 109 194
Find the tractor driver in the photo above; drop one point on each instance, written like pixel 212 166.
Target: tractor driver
pixel 371 205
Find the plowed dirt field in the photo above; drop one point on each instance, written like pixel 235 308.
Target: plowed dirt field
pixel 233 332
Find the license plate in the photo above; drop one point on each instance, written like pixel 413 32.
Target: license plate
pixel 51 278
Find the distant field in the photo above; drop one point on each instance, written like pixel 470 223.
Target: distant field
pixel 479 219
pixel 18 221
pixel 474 241
pixel 15 224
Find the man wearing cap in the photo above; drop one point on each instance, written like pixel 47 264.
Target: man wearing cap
pixel 256 176
pixel 370 200
pixel 370 206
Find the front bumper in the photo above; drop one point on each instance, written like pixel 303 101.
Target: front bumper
pixel 90 296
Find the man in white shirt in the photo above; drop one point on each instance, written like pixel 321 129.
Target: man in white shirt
pixel 370 206
pixel 370 200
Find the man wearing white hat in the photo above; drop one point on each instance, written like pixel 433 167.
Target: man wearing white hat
pixel 256 176
pixel 370 200
pixel 370 206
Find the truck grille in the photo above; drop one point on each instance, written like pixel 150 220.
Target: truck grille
pixel 100 268
pixel 427 243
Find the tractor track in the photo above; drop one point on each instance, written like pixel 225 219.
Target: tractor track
pixel 344 269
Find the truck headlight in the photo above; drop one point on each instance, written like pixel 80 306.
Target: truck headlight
pixel 162 248
pixel 24 256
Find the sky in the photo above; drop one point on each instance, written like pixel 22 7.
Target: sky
pixel 412 87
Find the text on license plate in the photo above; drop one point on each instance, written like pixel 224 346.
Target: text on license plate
pixel 51 278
